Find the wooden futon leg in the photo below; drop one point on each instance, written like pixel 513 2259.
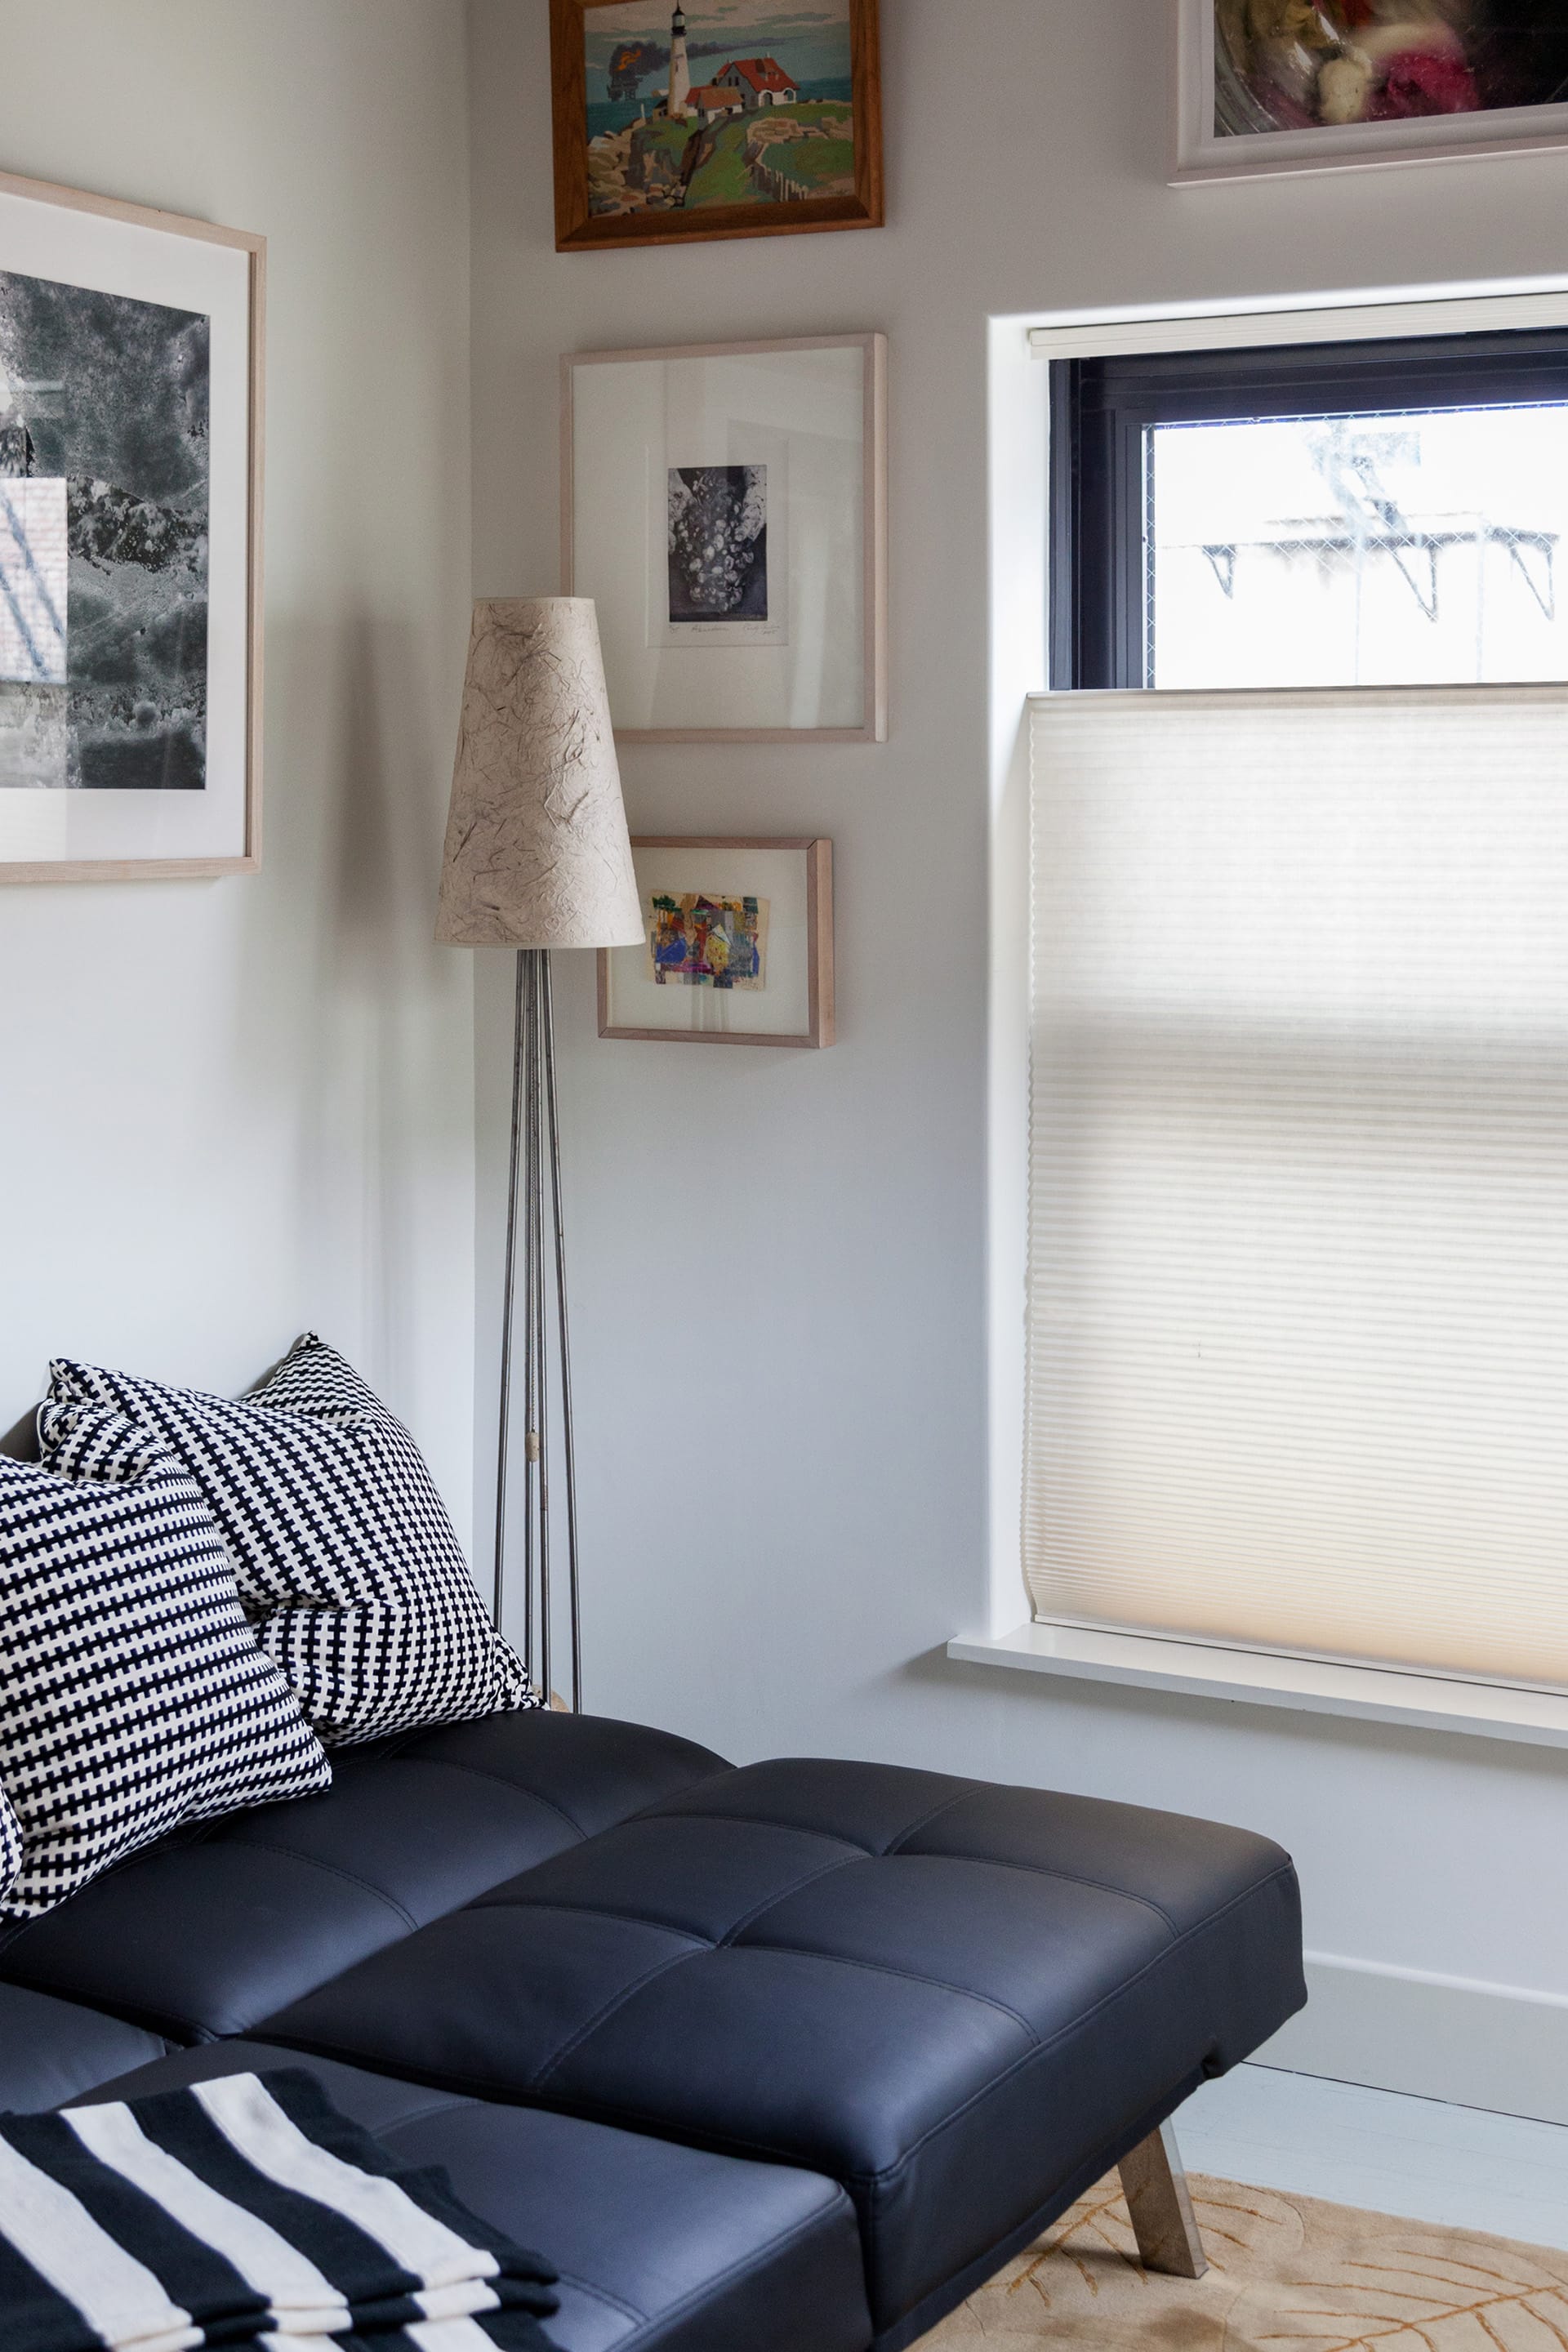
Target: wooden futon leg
pixel 1155 2189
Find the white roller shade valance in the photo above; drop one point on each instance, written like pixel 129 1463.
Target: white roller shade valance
pixel 1297 1331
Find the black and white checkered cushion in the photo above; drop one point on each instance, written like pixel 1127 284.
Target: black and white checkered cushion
pixel 10 1844
pixel 132 1695
pixel 346 1559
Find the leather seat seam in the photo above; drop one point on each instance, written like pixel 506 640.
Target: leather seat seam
pixel 912 1976
pixel 601 2016
pixel 762 1821
pixel 770 1902
pixel 660 1927
pixel 645 2123
pixel 499 1780
pixel 588 1911
pixel 935 1814
pixel 1049 1870
pixel 336 1870
pixel 655 1806
pixel 390 1745
pixel 606 2294
pixel 446 2103
pixel 91 1996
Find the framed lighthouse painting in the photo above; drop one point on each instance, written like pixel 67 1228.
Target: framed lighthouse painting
pixel 677 119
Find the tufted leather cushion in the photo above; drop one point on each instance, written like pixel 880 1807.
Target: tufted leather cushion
pixel 660 2248
pixel 51 2051
pixel 205 1932
pixel 961 2001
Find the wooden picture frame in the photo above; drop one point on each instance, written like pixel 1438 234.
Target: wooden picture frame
pixel 603 552
pixel 721 863
pixel 672 152
pixel 62 252
pixel 1203 80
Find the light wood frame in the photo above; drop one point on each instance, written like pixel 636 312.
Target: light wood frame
pixel 179 869
pixel 1199 153
pixel 874 527
pixel 820 1023
pixel 578 230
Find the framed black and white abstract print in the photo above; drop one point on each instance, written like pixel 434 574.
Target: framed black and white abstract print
pixel 130 437
pixel 724 506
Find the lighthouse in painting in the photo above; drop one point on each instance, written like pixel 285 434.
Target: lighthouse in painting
pixel 679 72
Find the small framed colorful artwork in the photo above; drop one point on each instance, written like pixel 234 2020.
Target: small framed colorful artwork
pixel 680 118
pixel 725 505
pixel 1270 86
pixel 737 946
pixel 131 385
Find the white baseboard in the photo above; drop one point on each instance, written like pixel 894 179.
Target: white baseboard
pixel 1451 2038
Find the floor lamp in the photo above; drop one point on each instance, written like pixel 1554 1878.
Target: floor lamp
pixel 537 858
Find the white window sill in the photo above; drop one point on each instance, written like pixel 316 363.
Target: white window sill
pixel 1267 1678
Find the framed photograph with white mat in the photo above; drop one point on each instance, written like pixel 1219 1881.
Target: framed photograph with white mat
pixel 1275 86
pixel 737 947
pixel 130 436
pixel 725 505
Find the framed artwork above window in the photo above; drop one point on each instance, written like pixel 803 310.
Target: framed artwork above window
pixel 1270 86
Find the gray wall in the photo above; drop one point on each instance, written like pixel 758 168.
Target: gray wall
pixel 780 1539
pixel 234 1108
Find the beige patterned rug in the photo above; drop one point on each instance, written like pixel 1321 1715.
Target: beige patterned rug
pixel 1283 2272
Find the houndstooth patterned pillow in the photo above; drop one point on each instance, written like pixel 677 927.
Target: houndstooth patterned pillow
pixel 10 1844
pixel 132 1695
pixel 346 1559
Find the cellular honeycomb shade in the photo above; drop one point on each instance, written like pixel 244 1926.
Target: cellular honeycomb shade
pixel 1297 1325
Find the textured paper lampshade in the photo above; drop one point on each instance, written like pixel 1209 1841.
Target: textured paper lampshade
pixel 537 853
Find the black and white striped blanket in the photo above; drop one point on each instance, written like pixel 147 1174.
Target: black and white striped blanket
pixel 244 2211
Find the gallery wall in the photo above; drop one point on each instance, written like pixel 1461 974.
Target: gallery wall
pixel 234 1110
pixel 779 1259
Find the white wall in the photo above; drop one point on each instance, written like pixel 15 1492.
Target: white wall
pixel 234 1109
pixel 779 1543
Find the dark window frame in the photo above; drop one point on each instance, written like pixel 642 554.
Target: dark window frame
pixel 1102 410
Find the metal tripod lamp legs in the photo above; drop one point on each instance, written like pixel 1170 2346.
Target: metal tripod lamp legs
pixel 535 1171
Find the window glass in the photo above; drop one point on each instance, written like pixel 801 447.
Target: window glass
pixel 1422 547
pixel 1387 512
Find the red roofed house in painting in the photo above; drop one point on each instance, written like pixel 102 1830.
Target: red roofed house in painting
pixel 713 101
pixel 761 81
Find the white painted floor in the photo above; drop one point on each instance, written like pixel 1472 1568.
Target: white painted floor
pixel 1416 2158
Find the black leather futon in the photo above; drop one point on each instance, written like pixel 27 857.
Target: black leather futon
pixel 791 2056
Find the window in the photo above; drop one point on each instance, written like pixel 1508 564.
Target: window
pixel 1313 515
pixel 1297 1359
